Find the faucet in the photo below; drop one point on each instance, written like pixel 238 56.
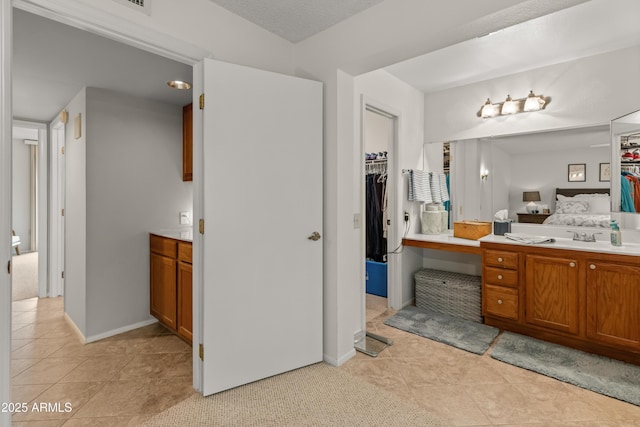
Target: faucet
pixel 583 237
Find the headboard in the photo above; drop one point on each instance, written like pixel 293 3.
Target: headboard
pixel 570 192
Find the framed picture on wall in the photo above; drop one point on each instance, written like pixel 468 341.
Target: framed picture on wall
pixel 577 172
pixel 605 171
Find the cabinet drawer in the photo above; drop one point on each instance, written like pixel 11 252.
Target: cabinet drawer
pixel 163 246
pixel 501 301
pixel 501 259
pixel 501 277
pixel 184 252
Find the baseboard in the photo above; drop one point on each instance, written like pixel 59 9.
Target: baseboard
pixel 412 301
pixel 121 330
pixel 75 328
pixel 342 360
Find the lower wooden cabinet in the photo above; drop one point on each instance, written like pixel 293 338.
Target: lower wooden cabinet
pixel 613 303
pixel 171 284
pixel 551 288
pixel 585 300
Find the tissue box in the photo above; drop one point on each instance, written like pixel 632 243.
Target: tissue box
pixel 501 227
pixel 472 230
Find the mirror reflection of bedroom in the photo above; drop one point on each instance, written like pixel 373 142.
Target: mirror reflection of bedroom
pixel 24 243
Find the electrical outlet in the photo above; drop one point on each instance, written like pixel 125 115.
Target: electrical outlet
pixel 185 218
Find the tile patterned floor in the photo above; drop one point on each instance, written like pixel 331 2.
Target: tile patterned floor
pixel 124 380
pixel 469 390
pixel 119 381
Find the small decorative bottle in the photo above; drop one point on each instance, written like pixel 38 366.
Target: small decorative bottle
pixel 616 235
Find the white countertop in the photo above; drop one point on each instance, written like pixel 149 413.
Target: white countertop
pixel 443 238
pixel 570 244
pixel 184 234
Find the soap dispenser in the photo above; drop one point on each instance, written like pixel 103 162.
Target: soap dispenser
pixel 616 236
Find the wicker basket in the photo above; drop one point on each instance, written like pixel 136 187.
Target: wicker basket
pixel 454 294
pixel 472 230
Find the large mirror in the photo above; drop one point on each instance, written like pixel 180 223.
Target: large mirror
pixel 488 175
pixel 625 165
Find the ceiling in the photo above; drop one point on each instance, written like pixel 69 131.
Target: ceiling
pixel 295 20
pixel 52 62
pixel 590 28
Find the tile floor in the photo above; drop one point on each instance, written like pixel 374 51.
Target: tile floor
pixel 119 381
pixel 469 390
pixel 126 379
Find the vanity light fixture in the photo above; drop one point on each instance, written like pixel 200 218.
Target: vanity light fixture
pixel 532 102
pixel 484 175
pixel 509 106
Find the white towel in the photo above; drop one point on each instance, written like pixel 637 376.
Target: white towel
pixel 528 239
pixel 419 189
pixel 438 184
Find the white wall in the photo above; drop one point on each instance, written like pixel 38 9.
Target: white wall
pixel 377 130
pixel 583 92
pixel 134 186
pixel 75 294
pixel 22 193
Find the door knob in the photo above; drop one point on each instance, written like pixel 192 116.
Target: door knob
pixel 314 236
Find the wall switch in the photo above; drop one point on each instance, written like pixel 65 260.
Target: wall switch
pixel 356 220
pixel 185 218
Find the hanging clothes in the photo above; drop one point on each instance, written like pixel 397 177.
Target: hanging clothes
pixel 626 194
pixel 375 205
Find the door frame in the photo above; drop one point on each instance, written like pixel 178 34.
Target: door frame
pixel 57 189
pixel 6 146
pixel 394 284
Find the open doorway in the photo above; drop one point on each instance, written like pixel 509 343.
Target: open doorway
pixel 379 130
pixel 29 215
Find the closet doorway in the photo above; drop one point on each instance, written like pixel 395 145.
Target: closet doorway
pixel 379 135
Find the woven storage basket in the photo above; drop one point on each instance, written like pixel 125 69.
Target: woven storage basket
pixel 454 294
pixel 472 230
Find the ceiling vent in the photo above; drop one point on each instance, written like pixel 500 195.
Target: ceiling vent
pixel 143 6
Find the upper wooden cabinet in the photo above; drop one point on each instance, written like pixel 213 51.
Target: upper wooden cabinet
pixel 187 142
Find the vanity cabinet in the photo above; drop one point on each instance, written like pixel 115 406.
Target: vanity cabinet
pixel 551 289
pixel 171 284
pixel 580 299
pixel 500 284
pixel 613 303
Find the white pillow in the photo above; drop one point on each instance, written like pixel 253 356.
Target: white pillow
pixel 598 203
pixel 572 207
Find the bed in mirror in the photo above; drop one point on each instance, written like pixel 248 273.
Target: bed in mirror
pixel 488 175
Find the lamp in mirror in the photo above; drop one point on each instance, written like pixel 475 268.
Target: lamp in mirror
pixel 531 197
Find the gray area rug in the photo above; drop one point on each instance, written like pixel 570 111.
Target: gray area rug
pixel 464 334
pixel 316 395
pixel 597 373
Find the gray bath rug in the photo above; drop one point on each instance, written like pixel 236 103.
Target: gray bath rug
pixel 464 334
pixel 597 373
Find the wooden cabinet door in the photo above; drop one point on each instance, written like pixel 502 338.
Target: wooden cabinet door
pixel 613 303
pixel 552 293
pixel 187 142
pixel 163 289
pixel 185 299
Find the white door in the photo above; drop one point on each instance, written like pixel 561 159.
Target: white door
pixel 261 200
pixel 57 205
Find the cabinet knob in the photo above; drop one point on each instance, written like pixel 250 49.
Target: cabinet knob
pixel 572 264
pixel 499 301
pixel 592 266
pixel 499 259
pixel 499 276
